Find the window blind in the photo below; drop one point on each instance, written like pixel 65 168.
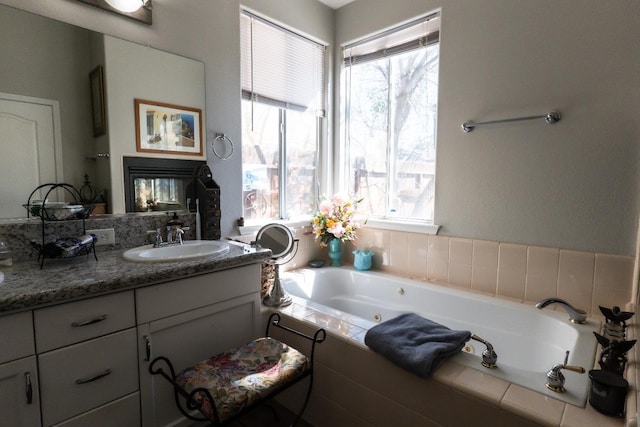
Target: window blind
pixel 280 67
pixel 412 35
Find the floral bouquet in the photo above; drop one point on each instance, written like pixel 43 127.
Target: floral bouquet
pixel 334 220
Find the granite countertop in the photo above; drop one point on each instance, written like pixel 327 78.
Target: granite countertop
pixel 26 286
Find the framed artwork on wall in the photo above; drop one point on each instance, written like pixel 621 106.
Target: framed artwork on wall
pixel 167 128
pixel 97 101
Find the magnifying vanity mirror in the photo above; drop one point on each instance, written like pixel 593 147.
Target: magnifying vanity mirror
pixel 284 246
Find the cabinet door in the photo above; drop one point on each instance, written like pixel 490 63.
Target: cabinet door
pixel 16 329
pixel 186 339
pixel 19 404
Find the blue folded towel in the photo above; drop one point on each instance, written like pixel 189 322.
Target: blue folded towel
pixel 415 343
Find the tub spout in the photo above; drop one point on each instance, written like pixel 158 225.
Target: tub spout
pixel 489 356
pixel 575 314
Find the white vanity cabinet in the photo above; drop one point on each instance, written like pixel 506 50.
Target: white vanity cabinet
pixel 87 357
pixel 189 320
pixel 19 402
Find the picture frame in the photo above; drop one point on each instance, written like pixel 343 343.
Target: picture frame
pixel 168 128
pixel 96 83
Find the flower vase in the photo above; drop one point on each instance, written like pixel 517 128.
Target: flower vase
pixel 335 252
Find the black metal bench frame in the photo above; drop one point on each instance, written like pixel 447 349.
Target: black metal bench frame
pixel 191 404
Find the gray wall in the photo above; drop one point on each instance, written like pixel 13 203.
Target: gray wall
pixel 49 64
pixel 571 185
pixel 208 31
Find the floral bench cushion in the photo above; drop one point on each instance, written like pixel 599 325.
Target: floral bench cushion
pixel 238 377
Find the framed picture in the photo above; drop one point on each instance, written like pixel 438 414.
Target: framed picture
pixel 166 128
pixel 97 101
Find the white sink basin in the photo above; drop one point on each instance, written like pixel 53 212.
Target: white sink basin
pixel 188 250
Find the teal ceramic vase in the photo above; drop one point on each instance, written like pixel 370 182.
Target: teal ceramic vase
pixel 335 252
pixel 362 259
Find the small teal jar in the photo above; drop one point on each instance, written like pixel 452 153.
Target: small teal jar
pixel 362 259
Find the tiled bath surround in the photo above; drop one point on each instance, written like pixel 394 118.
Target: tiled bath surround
pixel 519 272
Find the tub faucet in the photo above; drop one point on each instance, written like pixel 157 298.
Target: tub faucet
pixel 555 378
pixel 575 314
pixel 489 356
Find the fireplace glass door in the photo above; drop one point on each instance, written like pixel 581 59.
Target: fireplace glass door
pixel 158 184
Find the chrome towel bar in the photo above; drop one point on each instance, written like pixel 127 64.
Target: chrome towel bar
pixel 550 118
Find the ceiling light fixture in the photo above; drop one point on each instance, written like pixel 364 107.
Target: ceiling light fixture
pixel 125 5
pixel 136 9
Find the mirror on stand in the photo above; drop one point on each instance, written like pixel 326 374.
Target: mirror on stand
pixel 284 247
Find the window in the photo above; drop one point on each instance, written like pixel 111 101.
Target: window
pixel 283 89
pixel 389 94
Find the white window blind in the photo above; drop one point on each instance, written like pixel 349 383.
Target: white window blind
pixel 280 67
pixel 412 35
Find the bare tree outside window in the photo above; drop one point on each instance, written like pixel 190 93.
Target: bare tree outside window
pixel 391 133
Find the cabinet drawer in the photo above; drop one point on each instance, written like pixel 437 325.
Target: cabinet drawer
pixel 168 299
pixel 73 322
pixel 83 376
pixel 124 412
pixel 16 329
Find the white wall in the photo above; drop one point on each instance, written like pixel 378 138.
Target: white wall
pixel 571 185
pixel 135 71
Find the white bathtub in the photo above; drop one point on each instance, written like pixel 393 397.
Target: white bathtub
pixel 528 341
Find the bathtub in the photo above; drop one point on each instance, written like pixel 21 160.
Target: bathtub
pixel 528 341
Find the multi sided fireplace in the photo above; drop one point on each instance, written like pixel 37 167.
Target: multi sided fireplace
pixel 172 185
pixel 158 184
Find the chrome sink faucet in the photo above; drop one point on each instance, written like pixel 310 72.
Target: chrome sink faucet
pixel 174 234
pixel 576 315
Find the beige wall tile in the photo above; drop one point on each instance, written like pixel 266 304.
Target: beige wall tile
pixel 612 282
pixel 532 405
pixel 438 258
pixel 542 273
pixel 512 270
pixel 377 241
pixel 417 256
pixel 587 417
pixel 575 278
pixel 398 252
pixel 484 273
pixel 484 386
pixel 460 262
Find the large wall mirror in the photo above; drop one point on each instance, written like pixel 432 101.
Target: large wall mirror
pixel 50 62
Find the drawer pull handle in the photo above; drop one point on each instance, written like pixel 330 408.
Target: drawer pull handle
pixel 147 348
pixel 94 378
pixel 89 322
pixel 28 387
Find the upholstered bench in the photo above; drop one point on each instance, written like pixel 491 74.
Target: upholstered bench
pixel 225 386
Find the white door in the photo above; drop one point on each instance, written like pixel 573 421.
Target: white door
pixel 30 150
